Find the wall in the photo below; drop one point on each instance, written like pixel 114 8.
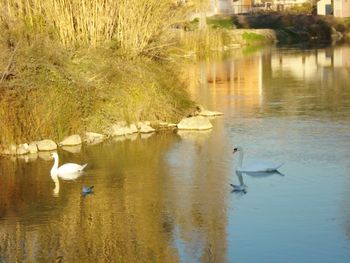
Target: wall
pixel 342 8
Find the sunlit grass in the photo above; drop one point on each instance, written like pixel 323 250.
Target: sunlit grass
pixel 221 22
pixel 135 26
pixel 67 66
pixel 205 41
pixel 61 93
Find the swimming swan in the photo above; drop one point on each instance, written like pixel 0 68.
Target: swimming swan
pixel 256 167
pixel 67 171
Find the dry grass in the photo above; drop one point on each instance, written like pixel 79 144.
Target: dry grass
pixel 203 42
pixel 142 26
pixel 52 93
pixel 63 68
pixel 137 26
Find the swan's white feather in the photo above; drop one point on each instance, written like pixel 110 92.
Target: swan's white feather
pixel 70 171
pixel 69 168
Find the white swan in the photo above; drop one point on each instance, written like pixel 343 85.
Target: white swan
pixel 256 167
pixel 68 171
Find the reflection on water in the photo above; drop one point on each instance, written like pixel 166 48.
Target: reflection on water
pixel 167 197
pixel 241 187
pixel 280 81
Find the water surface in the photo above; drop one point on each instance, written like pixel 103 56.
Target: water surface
pixel 166 197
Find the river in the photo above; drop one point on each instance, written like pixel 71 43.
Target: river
pixel 167 197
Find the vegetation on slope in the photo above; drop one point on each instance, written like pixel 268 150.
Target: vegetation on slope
pixel 72 65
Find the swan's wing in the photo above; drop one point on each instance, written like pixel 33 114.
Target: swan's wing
pixel 261 167
pixel 70 176
pixel 70 171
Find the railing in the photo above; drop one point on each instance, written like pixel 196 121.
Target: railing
pixel 246 9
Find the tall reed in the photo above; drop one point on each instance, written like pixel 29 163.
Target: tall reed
pixel 204 42
pixel 142 25
pixel 137 26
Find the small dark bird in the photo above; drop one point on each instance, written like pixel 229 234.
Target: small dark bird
pixel 87 190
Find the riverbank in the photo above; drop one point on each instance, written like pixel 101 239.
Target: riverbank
pixel 296 28
pixel 68 68
pixel 199 120
pixel 205 43
pixel 57 80
pixel 231 31
pixel 58 93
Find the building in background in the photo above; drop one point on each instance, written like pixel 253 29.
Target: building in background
pixel 324 7
pixel 341 8
pixel 222 6
pixel 242 6
pixel 247 6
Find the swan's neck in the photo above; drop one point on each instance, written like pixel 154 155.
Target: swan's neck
pixel 240 159
pixel 54 167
